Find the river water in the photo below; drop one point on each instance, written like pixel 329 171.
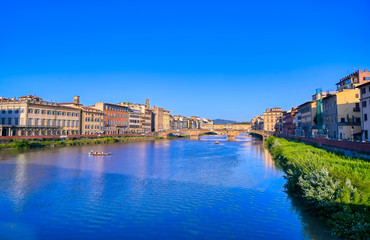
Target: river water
pixel 165 189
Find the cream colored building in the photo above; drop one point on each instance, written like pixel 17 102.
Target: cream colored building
pixel 270 118
pixel 166 120
pixel 91 118
pixel 31 116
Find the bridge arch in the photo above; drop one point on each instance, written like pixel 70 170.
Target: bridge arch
pixel 195 133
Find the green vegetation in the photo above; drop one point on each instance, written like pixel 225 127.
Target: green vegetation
pixel 208 133
pixel 242 123
pixel 55 142
pixel 336 188
pixel 180 136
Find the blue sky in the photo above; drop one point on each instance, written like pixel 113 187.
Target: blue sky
pixel 216 59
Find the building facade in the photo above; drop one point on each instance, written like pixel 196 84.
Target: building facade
pixel 306 119
pixel 115 117
pixel 134 121
pixel 349 114
pixel 288 121
pixel 365 110
pixel 166 120
pixel 353 80
pixel 270 118
pixel 92 120
pixel 32 116
pixel 330 116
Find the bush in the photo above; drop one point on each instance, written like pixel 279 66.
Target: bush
pixel 335 187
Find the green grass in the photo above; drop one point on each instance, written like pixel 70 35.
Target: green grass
pixel 334 187
pixel 27 144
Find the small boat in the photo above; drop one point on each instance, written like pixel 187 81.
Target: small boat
pixel 217 142
pixel 92 153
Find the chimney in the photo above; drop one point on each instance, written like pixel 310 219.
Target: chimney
pixel 77 100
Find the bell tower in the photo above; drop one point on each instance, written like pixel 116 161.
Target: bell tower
pixel 147 103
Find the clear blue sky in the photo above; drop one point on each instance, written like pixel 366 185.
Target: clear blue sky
pixel 216 59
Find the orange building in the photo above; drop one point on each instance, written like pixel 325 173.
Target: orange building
pixel 115 117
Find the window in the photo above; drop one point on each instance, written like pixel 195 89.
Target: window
pixel 366 78
pixel 3 121
pixel 10 111
pixel 58 113
pixel 30 110
pixel 357 96
pixel 29 121
pixel 342 120
pixel 68 114
pixel 36 121
pixel 42 122
pixel 366 134
pixel 48 122
pixel 16 111
pixel 49 112
pixel 365 117
pixel 363 90
pixel 9 121
pixel 16 121
pixel 363 103
pixel 54 112
pixel 37 111
pixel 43 112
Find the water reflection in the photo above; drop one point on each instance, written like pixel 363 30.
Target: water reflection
pixel 164 189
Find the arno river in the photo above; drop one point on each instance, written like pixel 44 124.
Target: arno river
pixel 165 189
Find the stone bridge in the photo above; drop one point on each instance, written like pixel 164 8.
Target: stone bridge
pixel 230 134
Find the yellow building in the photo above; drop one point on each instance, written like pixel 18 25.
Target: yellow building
pixel 349 115
pixel 166 120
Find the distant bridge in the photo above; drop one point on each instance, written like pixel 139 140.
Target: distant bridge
pixel 230 134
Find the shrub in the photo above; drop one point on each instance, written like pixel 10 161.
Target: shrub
pixel 335 187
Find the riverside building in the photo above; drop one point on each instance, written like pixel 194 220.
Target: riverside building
pixel 134 121
pixel 270 118
pixel 115 117
pixel 353 80
pixel 92 120
pixel 365 110
pixel 32 116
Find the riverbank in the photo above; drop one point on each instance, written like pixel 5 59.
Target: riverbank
pixel 336 188
pixel 56 142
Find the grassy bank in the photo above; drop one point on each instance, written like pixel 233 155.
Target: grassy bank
pixel 336 188
pixel 56 142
